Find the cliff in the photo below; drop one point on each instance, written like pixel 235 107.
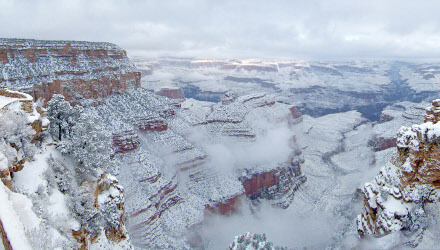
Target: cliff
pixel 400 197
pixel 77 70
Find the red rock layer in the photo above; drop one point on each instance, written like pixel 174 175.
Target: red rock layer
pixel 227 207
pixel 88 89
pixel 259 181
pixel 4 237
pixel 173 93
pixel 125 142
pixel 79 70
pixel 295 112
pixel 385 118
pixel 149 124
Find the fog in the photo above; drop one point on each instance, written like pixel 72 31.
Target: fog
pixel 284 227
pixel 267 149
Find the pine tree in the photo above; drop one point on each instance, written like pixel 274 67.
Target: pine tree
pixel 91 144
pixel 62 116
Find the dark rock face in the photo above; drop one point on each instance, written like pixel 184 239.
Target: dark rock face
pixel 277 185
pixel 77 70
pixel 258 182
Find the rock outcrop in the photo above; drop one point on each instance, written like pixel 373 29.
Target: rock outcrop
pixel 398 197
pixel 253 241
pixel 277 185
pixel 381 143
pixel 77 70
pixel 232 118
pixel 18 105
pixel 109 210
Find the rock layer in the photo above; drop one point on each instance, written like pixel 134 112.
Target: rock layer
pixel 77 70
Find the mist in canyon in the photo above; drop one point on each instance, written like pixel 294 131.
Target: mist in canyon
pixel 202 124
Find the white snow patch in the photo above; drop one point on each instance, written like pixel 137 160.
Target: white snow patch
pixel 3 162
pixel 30 178
pixel 11 222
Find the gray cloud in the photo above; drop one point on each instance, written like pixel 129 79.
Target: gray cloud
pixel 295 29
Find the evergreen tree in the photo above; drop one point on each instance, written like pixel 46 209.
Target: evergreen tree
pixel 62 116
pixel 91 144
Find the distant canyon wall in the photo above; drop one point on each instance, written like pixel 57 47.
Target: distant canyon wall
pixel 78 70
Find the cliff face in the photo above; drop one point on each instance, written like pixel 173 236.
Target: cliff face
pixel 399 196
pixel 77 70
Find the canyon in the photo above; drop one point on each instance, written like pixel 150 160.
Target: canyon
pixel 169 182
pixel 199 144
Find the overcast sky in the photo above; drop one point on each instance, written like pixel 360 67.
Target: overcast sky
pixel 233 28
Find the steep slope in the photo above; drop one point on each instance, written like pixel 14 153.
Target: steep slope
pixel 40 209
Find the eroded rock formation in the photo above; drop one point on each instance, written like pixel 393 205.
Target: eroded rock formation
pixel 399 195
pixel 77 70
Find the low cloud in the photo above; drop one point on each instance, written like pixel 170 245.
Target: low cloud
pixel 283 227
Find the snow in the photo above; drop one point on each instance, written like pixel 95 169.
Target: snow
pixel 30 177
pixel 5 101
pixel 23 207
pixel 3 162
pixel 11 221
pixel 395 207
pixel 57 204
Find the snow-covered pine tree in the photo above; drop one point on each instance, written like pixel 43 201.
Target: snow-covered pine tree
pixel 62 116
pixel 91 144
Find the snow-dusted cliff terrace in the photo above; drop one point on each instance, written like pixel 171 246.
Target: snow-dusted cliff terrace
pixel 75 69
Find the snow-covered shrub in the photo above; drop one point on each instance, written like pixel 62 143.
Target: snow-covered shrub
pixel 80 204
pixel 44 237
pixel 16 132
